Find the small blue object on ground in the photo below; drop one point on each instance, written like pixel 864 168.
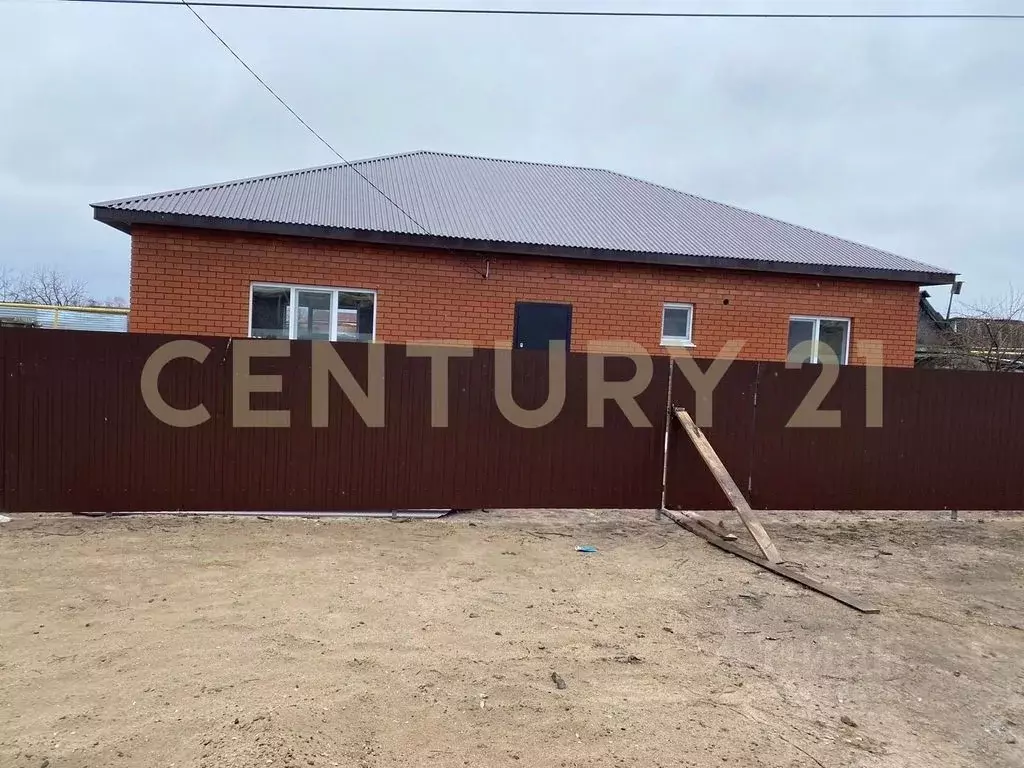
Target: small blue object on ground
pixel 587 548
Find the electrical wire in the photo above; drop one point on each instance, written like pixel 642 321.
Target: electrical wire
pixel 188 4
pixel 495 12
pixel 576 13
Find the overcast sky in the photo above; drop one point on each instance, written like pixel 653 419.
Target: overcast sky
pixel 904 135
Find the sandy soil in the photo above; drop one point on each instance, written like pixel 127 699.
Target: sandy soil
pixel 227 642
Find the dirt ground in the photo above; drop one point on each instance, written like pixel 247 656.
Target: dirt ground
pixel 224 642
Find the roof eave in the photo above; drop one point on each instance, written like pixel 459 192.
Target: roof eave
pixel 124 220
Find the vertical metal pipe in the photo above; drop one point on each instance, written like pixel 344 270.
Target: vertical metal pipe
pixel 664 447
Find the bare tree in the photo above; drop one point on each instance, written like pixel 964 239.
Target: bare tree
pixel 51 285
pixel 989 336
pixel 10 281
pixel 117 302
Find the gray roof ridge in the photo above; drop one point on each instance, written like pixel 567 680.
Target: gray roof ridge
pixel 332 166
pixel 512 161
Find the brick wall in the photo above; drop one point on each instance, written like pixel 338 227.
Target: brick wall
pixel 197 282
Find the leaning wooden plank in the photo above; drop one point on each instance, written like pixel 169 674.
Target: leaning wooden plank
pixel 728 486
pixel 708 525
pixel 829 591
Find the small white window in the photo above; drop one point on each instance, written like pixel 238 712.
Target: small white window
pixel 677 325
pixel 299 312
pixel 818 339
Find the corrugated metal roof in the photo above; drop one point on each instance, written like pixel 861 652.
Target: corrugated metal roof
pixel 65 318
pixel 511 202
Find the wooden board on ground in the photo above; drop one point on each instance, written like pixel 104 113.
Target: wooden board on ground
pixel 728 486
pixel 836 594
pixel 708 525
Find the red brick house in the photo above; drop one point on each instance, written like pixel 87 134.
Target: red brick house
pixel 434 247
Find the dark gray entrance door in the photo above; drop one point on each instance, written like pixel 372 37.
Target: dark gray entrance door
pixel 537 324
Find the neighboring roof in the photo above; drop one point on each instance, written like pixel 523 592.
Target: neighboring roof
pixel 475 203
pixel 968 324
pixel 65 318
pixel 929 312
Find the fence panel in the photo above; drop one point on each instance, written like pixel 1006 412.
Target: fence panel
pixel 3 421
pixel 79 437
pixel 689 483
pixel 948 440
pixel 76 435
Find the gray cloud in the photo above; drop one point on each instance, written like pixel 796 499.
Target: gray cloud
pixel 904 136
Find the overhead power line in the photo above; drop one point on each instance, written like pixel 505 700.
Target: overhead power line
pixel 188 4
pixel 577 13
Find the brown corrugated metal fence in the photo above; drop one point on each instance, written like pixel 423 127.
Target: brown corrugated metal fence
pixel 948 440
pixel 76 435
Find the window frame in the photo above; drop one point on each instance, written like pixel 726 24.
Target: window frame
pixel 293 307
pixel 815 335
pixel 677 341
